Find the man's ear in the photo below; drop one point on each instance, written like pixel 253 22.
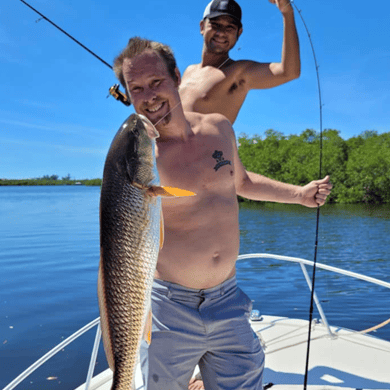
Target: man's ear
pixel 201 24
pixel 239 32
pixel 177 73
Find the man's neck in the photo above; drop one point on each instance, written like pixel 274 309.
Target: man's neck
pixel 213 59
pixel 178 129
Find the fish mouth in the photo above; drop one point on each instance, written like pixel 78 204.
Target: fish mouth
pixel 151 131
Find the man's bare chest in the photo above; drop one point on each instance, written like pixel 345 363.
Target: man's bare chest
pixel 198 167
pixel 209 84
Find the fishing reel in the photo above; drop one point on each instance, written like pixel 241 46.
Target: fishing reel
pixel 119 95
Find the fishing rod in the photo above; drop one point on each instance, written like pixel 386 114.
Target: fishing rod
pixel 318 206
pixel 114 90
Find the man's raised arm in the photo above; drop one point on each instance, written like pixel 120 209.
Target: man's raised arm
pixel 268 75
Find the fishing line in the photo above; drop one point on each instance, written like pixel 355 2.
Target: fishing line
pixel 318 206
pixel 114 90
pixel 68 35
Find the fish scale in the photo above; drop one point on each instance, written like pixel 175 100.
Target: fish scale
pixel 130 240
pixel 130 228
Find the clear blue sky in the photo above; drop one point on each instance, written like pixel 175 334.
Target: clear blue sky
pixel 54 115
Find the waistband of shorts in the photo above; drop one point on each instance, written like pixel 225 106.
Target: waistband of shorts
pixel 170 289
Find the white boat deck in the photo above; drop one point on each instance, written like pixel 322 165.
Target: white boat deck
pixel 348 360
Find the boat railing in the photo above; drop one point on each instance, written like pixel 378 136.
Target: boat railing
pixel 53 352
pixel 302 263
pixel 96 322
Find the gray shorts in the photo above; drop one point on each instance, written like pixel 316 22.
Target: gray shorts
pixel 206 327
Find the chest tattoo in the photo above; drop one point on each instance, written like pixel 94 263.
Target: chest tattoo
pixel 218 155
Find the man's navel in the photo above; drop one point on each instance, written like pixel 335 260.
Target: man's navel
pixel 216 257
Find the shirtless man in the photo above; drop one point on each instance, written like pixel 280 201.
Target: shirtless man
pixel 220 84
pixel 199 313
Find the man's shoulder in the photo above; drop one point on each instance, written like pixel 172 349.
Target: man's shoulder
pixel 209 123
pixel 242 68
pixel 246 64
pixel 227 64
pixel 213 118
pixel 191 68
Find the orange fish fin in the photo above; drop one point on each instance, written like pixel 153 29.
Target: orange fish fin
pixel 174 191
pixel 168 191
pixel 148 328
pixel 161 230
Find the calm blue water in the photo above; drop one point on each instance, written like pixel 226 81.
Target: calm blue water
pixel 49 239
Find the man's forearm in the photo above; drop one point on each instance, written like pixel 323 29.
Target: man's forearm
pixel 290 62
pixel 261 188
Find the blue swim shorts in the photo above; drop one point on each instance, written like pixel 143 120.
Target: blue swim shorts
pixel 207 327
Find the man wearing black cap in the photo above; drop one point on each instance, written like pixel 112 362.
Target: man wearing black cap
pixel 219 84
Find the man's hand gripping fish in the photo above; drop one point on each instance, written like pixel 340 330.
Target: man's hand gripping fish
pixel 131 234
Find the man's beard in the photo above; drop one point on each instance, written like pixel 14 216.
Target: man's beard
pixel 216 49
pixel 164 120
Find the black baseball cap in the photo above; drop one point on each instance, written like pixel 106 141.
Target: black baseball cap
pixel 223 7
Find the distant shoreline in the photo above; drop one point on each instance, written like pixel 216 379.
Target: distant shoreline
pixel 49 182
